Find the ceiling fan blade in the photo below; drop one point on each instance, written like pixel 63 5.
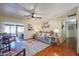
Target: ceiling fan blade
pixel 35 6
pixel 27 16
pixel 38 17
pixel 22 8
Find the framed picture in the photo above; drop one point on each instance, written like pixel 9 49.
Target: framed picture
pixel 30 28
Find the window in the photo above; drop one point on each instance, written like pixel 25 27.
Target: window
pixel 20 29
pixel 6 29
pixel 14 30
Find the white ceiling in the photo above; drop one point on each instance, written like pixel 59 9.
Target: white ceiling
pixel 45 10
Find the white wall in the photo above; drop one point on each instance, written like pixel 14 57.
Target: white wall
pixel 78 38
pixel 78 30
pixel 54 24
pixel 36 24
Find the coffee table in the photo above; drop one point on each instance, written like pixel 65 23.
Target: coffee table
pixel 14 52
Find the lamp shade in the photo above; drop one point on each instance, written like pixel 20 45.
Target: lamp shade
pixel 56 30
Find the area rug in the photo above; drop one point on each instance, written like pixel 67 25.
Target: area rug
pixel 34 46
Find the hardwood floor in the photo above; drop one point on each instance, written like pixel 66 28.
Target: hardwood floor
pixel 51 50
pixel 56 51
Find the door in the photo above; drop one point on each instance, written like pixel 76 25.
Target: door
pixel 20 31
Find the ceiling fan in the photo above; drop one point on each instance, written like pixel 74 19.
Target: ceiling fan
pixel 33 14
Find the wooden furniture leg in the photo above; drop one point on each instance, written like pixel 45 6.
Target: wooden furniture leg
pixel 24 52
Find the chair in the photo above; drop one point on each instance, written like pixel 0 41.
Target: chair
pixel 6 43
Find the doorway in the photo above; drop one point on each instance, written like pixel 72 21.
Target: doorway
pixel 70 33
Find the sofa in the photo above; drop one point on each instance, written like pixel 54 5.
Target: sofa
pixel 44 37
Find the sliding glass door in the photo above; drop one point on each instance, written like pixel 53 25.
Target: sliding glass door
pixel 7 29
pixel 20 30
pixel 14 30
